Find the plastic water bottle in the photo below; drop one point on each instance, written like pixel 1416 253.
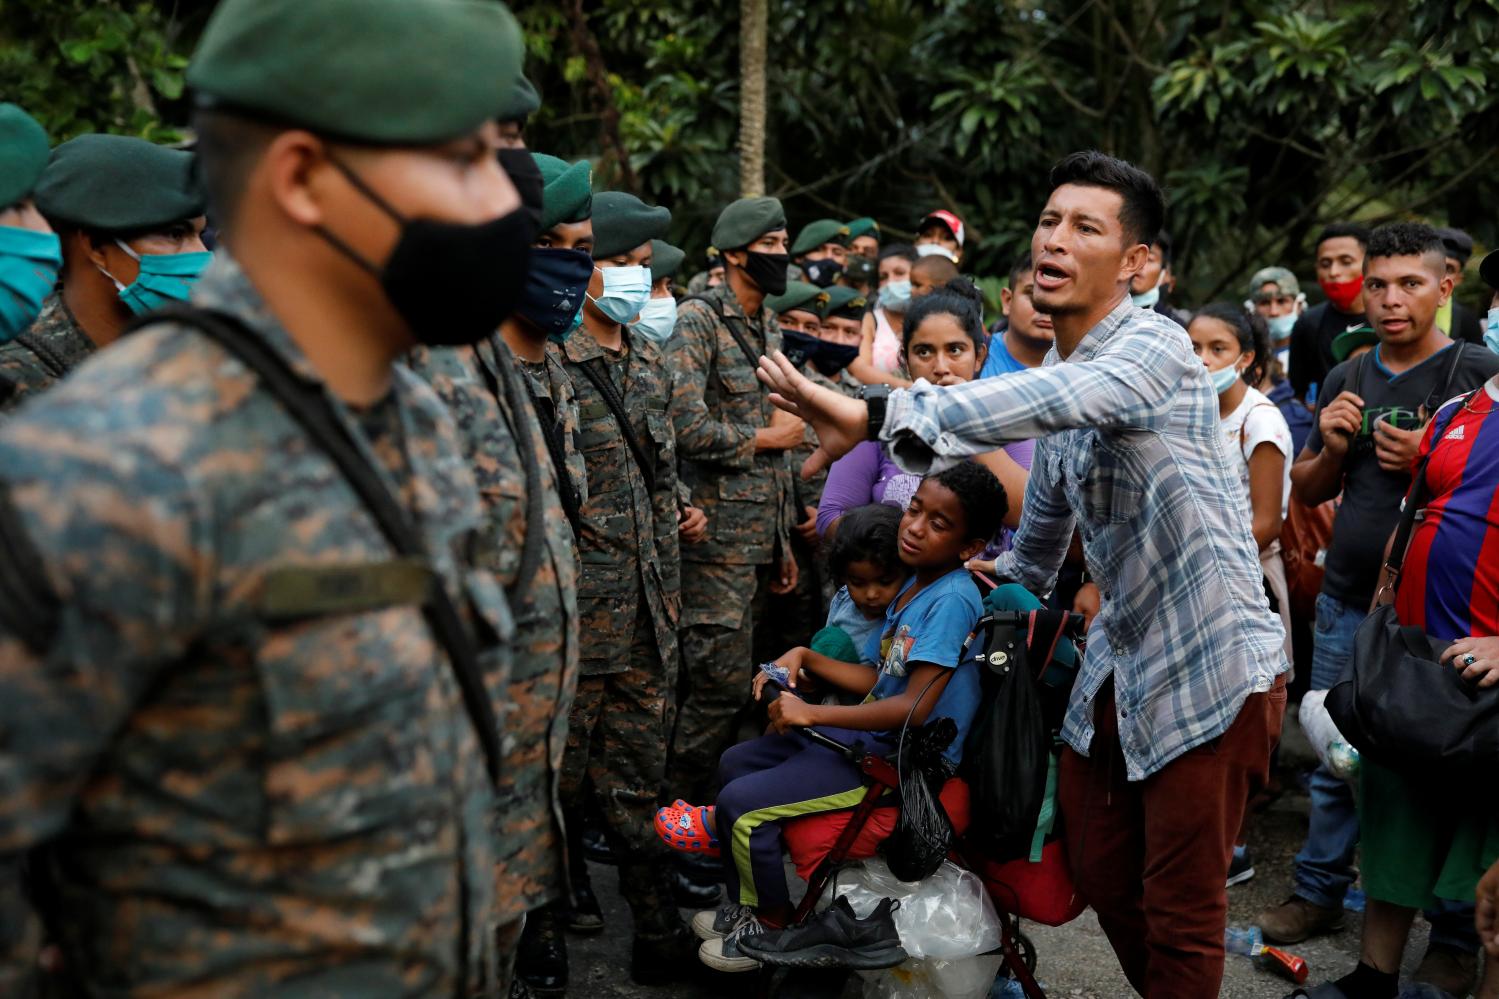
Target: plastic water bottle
pixel 1354 900
pixel 1243 940
pixel 1006 988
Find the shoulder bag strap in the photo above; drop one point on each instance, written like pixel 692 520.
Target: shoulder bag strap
pixel 551 432
pixel 749 354
pixel 1413 503
pixel 308 406
pixel 513 400
pixel 51 360
pixel 593 369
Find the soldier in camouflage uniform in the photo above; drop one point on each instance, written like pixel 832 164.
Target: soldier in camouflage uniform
pixel 238 761
pixel 528 544
pixel 629 586
pixel 130 218
pixel 29 250
pixel 731 449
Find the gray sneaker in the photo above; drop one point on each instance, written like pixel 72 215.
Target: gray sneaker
pixel 723 953
pixel 714 924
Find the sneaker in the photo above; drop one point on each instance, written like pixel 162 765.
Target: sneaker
pixel 1296 919
pixel 1453 971
pixel 585 915
pixel 835 938
pixel 711 924
pixel 724 954
pixel 1241 868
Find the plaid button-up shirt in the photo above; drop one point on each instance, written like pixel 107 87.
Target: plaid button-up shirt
pixel 1130 455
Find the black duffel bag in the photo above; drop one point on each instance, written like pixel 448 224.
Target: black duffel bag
pixel 1396 702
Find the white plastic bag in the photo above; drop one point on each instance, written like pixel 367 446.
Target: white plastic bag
pixel 935 978
pixel 1333 751
pixel 946 916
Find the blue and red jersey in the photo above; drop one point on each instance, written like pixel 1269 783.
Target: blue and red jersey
pixel 1449 584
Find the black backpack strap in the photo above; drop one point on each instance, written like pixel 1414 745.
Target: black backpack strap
pixel 551 432
pixel 309 408
pixel 512 402
pixel 1451 373
pixel 51 360
pixel 1413 503
pixel 749 354
pixel 593 370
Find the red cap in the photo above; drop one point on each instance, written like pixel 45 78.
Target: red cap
pixel 947 218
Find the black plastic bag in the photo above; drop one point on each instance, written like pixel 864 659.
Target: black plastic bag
pixel 923 832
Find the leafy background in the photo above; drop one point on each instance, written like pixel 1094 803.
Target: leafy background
pixel 1264 119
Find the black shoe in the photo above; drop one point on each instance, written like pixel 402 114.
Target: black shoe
pixel 659 961
pixel 518 989
pixel 541 961
pixel 691 895
pixel 835 938
pixel 1241 868
pixel 596 847
pixel 699 869
pixel 584 915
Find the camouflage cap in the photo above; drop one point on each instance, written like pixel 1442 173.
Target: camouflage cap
pixel 798 295
pixel 23 154
pixel 118 183
pixel 845 303
pixel 385 72
pixel 621 222
pixel 1352 339
pixel 522 103
pixel 865 226
pixel 666 260
pixel 814 234
pixel 746 220
pixel 834 643
pixel 1278 276
pixel 567 190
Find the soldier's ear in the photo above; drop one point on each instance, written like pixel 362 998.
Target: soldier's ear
pixel 298 176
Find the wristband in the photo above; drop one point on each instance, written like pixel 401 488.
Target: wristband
pixel 875 398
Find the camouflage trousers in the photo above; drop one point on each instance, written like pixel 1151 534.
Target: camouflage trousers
pixel 791 619
pixel 616 751
pixel 720 605
pixel 507 942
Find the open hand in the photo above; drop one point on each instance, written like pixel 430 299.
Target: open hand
pixel 840 422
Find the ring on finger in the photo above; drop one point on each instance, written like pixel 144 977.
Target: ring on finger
pixel 1469 659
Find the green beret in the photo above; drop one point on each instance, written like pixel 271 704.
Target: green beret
pixel 814 234
pixel 621 222
pixel 522 103
pixel 567 190
pixel 844 302
pixel 834 643
pixel 666 260
pixel 118 183
pixel 387 72
pixel 863 227
pixel 745 221
pixel 1352 339
pixel 23 154
pixel 798 295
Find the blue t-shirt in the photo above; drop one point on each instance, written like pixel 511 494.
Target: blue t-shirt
pixel 844 613
pixel 999 361
pixel 931 629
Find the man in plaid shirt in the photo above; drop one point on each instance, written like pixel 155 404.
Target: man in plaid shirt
pixel 1181 695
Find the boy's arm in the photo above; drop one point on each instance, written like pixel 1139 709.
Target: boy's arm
pixel 882 715
pixel 853 677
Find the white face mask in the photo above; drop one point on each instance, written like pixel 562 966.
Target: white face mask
pixel 936 250
pixel 1224 378
pixel 658 319
pixel 1147 299
pixel 626 290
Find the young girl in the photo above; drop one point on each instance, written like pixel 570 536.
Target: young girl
pixel 782 776
pixel 864 558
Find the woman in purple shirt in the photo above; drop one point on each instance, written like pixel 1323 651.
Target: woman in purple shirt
pixel 944 343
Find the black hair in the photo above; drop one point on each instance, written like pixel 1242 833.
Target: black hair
pixel 982 497
pixel 866 534
pixel 1251 331
pixel 937 266
pixel 1338 230
pixel 904 250
pixel 1404 239
pixel 228 148
pixel 1163 240
pixel 1143 213
pixel 959 299
pixel 1022 265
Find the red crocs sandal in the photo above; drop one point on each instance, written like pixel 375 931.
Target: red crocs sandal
pixel 687 828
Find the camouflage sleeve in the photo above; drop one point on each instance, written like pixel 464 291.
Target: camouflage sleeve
pixel 699 436
pixel 99 564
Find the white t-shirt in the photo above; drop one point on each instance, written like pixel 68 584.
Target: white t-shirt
pixel 1255 421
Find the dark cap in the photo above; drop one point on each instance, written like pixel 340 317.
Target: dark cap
pixel 1351 339
pixel 567 190
pixel 1489 269
pixel 384 72
pixel 522 103
pixel 621 222
pixel 118 183
pixel 23 154
pixel 815 234
pixel 846 303
pixel 798 295
pixel 666 260
pixel 863 227
pixel 746 220
pixel 1456 244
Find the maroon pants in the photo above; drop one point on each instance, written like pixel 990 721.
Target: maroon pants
pixel 1151 857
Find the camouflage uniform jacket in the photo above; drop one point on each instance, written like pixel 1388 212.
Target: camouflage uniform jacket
pixel 489 398
pixel 552 391
pixel 811 489
pixel 628 551
pixel 717 405
pixel 235 756
pixel 54 345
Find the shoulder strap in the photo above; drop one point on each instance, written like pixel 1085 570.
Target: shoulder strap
pixel 506 392
pixel 593 369
pixel 551 432
pixel 51 360
pixel 1413 503
pixel 749 354
pixel 308 406
pixel 1451 372
pixel 1357 382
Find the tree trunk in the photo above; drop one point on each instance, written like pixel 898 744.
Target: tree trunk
pixel 752 30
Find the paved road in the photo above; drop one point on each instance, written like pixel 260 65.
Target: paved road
pixel 1075 961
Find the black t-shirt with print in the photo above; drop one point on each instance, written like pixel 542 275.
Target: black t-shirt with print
pixel 1311 345
pixel 1371 495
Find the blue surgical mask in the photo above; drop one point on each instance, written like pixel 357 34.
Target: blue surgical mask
pixel 556 281
pixel 895 296
pixel 28 269
pixel 658 318
pixel 1147 299
pixel 164 278
pixel 1224 378
pixel 626 290
pixel 1491 330
pixel 1281 326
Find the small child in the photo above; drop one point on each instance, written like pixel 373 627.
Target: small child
pixel 865 560
pixel 781 776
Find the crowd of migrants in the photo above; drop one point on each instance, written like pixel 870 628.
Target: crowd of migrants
pixel 387 535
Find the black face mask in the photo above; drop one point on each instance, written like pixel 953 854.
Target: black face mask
pixel 452 283
pixel 828 358
pixel 767 270
pixel 526 176
pixel 822 272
